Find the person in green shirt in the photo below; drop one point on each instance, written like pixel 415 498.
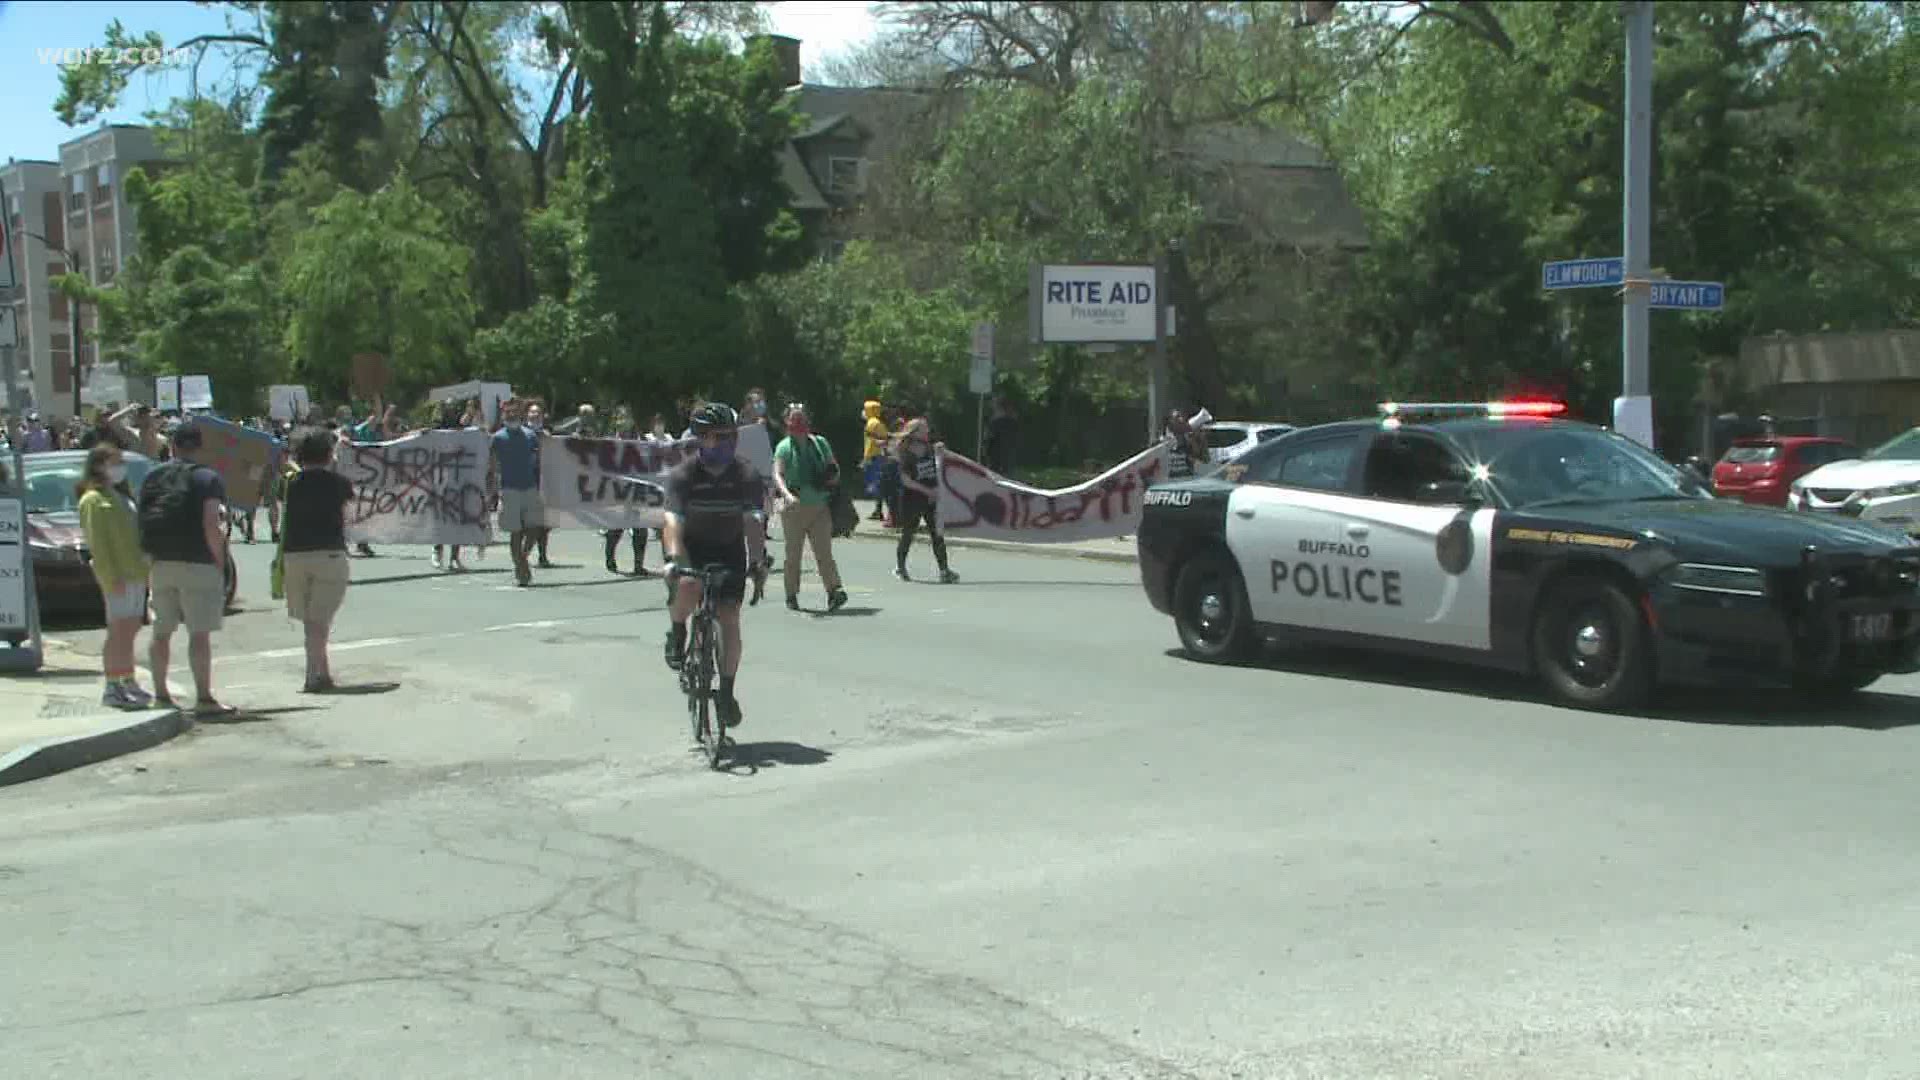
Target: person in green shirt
pixel 112 529
pixel 804 475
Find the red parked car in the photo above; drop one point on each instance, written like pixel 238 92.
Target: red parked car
pixel 1759 470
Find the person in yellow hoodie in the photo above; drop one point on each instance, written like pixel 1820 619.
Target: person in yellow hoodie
pixel 873 459
pixel 112 530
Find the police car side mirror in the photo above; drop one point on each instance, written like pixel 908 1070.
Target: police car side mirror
pixel 1444 493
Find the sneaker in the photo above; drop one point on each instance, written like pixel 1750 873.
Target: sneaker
pixel 437 561
pixel 116 697
pixel 676 652
pixel 901 573
pixel 612 566
pixel 793 603
pixel 641 572
pixel 948 577
pixel 141 699
pixel 729 712
pixel 836 600
pixel 318 684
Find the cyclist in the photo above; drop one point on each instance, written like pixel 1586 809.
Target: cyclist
pixel 714 516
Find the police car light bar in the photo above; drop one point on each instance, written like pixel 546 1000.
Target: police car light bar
pixel 1402 409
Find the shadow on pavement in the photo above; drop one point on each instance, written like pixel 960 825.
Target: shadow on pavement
pixel 537 584
pixel 1730 706
pixel 823 613
pixel 360 689
pixel 252 716
pixel 750 758
pixel 429 574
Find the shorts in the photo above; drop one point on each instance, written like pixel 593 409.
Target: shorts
pixel 129 601
pixel 520 510
pixel 190 593
pixel 734 558
pixel 316 584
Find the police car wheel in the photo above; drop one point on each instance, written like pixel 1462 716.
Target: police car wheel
pixel 1210 610
pixel 1590 646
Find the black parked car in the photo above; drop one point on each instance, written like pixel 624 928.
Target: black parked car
pixel 1504 536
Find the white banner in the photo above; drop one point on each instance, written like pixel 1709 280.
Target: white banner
pixel 622 483
pixel 975 501
pixel 427 488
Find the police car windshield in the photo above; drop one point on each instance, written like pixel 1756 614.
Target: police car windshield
pixel 1899 448
pixel 1529 465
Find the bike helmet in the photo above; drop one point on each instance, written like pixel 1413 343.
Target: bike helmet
pixel 713 416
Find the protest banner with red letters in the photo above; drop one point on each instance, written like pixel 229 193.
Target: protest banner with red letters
pixel 976 501
pixel 429 487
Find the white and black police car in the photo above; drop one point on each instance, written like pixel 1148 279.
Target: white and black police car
pixel 1505 535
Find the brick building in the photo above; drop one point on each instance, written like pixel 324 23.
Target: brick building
pixel 100 234
pixel 33 208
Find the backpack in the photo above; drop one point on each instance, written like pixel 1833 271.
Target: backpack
pixel 170 526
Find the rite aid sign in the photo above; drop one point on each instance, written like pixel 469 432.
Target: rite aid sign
pixel 1091 303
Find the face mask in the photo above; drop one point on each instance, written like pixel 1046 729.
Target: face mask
pixel 760 408
pixel 717 455
pixel 116 474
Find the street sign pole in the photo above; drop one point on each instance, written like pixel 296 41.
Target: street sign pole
pixel 980 381
pixel 1633 409
pixel 1157 377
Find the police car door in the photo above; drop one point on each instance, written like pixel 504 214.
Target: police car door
pixel 1414 562
pixel 1288 502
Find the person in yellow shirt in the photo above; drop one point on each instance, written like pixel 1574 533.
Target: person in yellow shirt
pixel 873 459
pixel 112 529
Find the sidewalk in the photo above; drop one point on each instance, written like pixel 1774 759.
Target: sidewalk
pixel 52 720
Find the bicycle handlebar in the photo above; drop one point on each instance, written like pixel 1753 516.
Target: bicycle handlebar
pixel 718 570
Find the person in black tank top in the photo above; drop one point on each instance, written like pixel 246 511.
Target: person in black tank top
pixel 1188 452
pixel 920 500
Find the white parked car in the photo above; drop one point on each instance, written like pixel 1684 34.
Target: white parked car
pixel 1883 487
pixel 1228 439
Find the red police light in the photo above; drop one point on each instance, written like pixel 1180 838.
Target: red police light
pixel 1526 408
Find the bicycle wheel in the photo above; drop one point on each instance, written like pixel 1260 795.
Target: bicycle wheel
pixel 716 731
pixel 694 680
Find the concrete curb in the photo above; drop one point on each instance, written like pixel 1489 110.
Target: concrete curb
pixel 1051 551
pixel 120 733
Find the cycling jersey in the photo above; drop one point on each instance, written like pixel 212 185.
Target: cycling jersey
pixel 711 504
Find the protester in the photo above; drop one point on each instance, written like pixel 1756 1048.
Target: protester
pixel 805 472
pixel 452 418
pixel 113 540
pixel 180 530
pixel 1186 448
pixel 920 500
pixel 37 440
pixel 514 459
pixel 873 454
pixel 537 427
pixel 623 428
pixel 314 555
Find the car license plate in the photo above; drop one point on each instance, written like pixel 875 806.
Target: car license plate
pixel 1870 627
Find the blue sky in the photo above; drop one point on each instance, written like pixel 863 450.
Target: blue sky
pixel 31 29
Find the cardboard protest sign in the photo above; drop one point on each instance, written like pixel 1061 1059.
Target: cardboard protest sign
pixel 621 483
pixel 427 488
pixel 975 501
pixel 243 457
pixel 196 392
pixel 166 393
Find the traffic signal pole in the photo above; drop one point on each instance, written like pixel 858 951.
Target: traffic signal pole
pixel 1633 409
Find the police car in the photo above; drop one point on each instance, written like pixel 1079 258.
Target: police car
pixel 1504 535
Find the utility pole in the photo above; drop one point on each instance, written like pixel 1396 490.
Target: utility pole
pixel 9 328
pixel 76 374
pixel 1633 409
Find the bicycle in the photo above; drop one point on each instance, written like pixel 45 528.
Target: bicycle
pixel 700 664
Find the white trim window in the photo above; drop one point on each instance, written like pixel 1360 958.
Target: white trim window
pixel 77 199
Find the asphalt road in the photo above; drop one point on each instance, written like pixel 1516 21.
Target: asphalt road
pixel 996 829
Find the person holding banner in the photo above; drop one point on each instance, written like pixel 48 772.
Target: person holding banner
pixel 920 499
pixel 514 457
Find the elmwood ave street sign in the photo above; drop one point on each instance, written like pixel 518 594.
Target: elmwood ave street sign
pixel 1612 272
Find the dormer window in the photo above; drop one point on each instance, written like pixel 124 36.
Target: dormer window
pixel 846 176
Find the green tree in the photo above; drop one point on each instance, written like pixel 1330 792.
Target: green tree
pixel 194 314
pixel 377 273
